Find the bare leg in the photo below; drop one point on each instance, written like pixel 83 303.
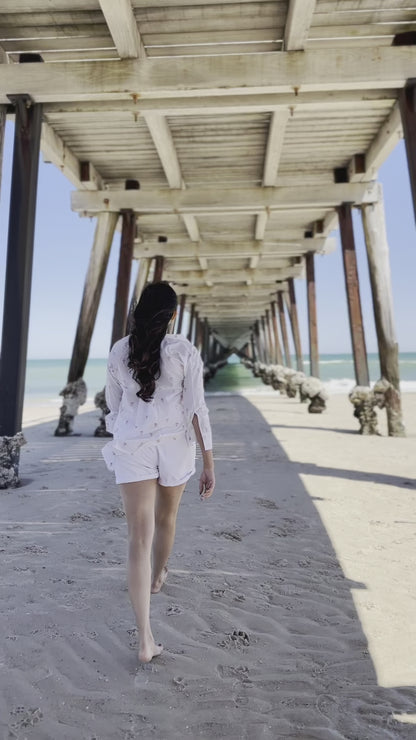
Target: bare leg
pixel 168 499
pixel 139 505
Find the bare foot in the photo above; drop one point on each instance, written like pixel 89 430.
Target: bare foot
pixel 149 651
pixel 158 583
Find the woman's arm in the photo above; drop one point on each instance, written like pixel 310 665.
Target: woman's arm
pixel 207 478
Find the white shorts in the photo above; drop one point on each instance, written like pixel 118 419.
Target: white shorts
pixel 170 459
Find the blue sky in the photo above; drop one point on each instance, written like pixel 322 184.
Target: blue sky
pixel 63 242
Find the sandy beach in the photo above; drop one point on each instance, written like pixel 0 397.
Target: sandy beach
pixel 289 610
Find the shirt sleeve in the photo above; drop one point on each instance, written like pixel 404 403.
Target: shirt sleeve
pixel 113 393
pixel 193 397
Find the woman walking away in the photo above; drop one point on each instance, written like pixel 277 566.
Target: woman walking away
pixel 155 395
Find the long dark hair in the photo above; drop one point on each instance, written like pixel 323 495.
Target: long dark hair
pixel 151 317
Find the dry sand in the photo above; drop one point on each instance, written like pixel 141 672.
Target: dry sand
pixel 289 611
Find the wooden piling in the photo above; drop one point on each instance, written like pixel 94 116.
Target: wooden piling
pixel 28 123
pixel 407 102
pixel 381 288
pixel 278 349
pixel 191 322
pixel 94 281
pixel 290 298
pixel 264 340
pixel 353 295
pixel 272 350
pixel 181 311
pixel 283 329
pixel 159 265
pixel 2 132
pixel 312 316
pixel 128 232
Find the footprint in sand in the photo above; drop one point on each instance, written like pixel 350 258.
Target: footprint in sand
pixel 218 593
pixel 23 717
pixel 79 517
pixel 240 672
pixel 266 503
pixel 236 639
pixel 119 513
pixel 229 534
pixel 173 609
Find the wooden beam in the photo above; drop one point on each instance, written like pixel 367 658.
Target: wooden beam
pixel 324 70
pixel 181 312
pixel 122 25
pixel 278 349
pixel 274 148
pixel 383 144
pixel 232 249
pixel 353 295
pixel 213 201
pixel 159 265
pixel 334 100
pixel 298 23
pixel 56 151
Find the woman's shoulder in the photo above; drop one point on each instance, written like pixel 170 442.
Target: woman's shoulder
pixel 119 349
pixel 177 343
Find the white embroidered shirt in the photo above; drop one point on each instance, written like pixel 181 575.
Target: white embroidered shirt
pixel 179 394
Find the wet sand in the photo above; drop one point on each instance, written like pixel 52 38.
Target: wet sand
pixel 289 607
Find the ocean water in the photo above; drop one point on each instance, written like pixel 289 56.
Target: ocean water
pixel 46 378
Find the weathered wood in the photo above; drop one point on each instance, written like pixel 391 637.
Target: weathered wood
pixel 123 28
pixel 2 132
pixel 290 298
pixel 264 340
pixel 128 231
pixel 353 295
pixel 205 341
pixel 181 312
pixel 230 249
pixel 298 23
pixel 159 265
pixel 278 349
pixel 191 323
pixel 28 121
pixel 407 102
pixel 381 288
pixel 285 339
pixel 323 69
pixel 94 281
pixel 312 316
pixel 212 201
pixel 141 280
pixel 270 345
pixel 61 155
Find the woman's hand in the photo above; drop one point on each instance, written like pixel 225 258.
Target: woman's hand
pixel 206 482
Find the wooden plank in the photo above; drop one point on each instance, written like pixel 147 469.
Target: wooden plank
pixel 408 115
pixel 176 247
pixel 324 70
pixel 298 23
pixel 123 28
pixel 212 201
pixel 274 148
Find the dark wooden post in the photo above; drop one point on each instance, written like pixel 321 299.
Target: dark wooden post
pixel 123 276
pixel 28 123
pixel 205 342
pixel 282 319
pixel 253 347
pixel 278 349
pixel 27 133
pixel 380 279
pixel 407 102
pixel 94 281
pixel 2 131
pixel 158 273
pixel 353 295
pixel 264 337
pixel 181 312
pixel 312 316
pixel 191 322
pixel 272 350
pixel 293 316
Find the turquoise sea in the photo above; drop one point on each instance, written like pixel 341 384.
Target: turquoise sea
pixel 45 378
